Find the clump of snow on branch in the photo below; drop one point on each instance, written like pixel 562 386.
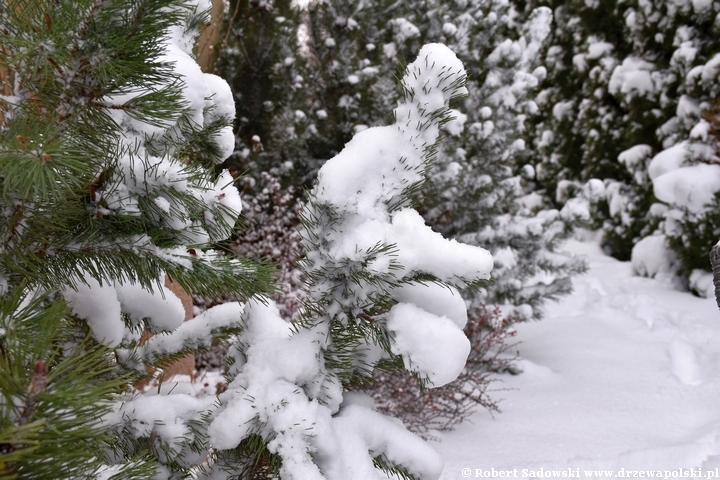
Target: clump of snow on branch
pixel 102 307
pixel 427 411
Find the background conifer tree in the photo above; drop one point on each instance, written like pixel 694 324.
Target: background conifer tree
pixel 625 121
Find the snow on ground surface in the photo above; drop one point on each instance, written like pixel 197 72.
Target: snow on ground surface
pixel 623 373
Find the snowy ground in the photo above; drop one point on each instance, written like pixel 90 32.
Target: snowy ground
pixel 624 373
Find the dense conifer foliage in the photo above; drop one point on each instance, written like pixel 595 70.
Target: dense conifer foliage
pixel 625 120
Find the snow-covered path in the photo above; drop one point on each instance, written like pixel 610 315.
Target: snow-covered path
pixel 624 373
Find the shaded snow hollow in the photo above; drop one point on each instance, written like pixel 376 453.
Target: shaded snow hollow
pixel 623 373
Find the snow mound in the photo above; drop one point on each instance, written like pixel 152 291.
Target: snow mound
pixel 620 375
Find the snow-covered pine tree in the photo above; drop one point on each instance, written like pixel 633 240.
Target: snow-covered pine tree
pixel 378 299
pixel 476 191
pixel 110 136
pixel 340 82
